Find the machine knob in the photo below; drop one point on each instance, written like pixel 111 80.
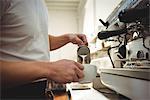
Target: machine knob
pixel 140 54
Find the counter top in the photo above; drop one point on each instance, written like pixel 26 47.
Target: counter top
pixel 86 94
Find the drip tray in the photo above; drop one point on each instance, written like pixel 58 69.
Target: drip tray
pixel 132 83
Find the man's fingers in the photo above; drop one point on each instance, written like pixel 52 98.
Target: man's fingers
pixel 79 73
pixel 79 70
pixel 76 78
pixel 80 66
pixel 83 38
pixel 79 41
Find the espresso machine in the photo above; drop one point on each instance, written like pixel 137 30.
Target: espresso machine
pixel 128 29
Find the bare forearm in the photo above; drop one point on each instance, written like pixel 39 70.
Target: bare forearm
pixel 58 41
pixel 17 73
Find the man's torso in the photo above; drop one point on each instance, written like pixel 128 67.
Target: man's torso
pixel 24 30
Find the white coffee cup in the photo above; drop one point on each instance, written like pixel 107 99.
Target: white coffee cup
pixel 90 72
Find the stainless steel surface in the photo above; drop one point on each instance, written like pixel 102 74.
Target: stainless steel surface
pixel 83 55
pixel 138 73
pixel 136 50
pixel 134 84
pixel 131 75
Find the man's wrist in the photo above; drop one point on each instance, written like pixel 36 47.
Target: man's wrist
pixel 43 67
pixel 48 71
pixel 68 38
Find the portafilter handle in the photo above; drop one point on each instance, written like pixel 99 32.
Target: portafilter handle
pixel 107 34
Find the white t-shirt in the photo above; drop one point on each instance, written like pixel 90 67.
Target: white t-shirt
pixel 23 30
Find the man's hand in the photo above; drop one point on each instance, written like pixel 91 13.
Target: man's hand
pixel 59 41
pixel 79 39
pixel 65 71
